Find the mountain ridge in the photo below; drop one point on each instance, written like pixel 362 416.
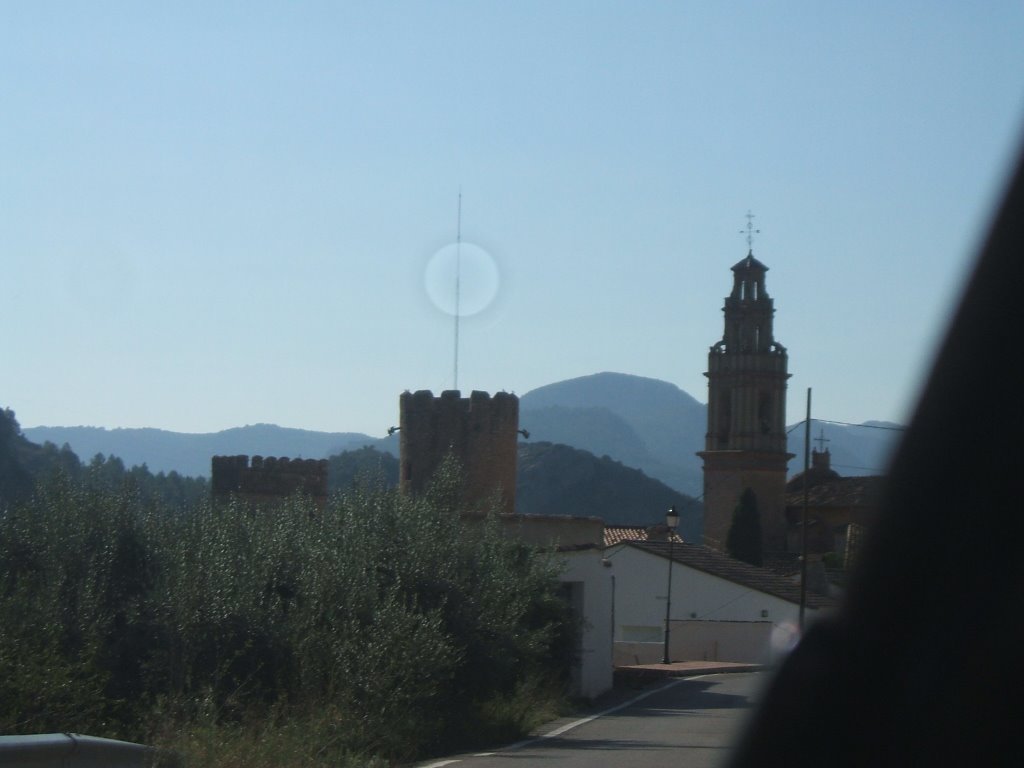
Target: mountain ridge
pixel 640 422
pixel 189 454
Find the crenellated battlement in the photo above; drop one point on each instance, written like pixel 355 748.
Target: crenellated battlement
pixel 501 404
pixel 269 478
pixel 479 430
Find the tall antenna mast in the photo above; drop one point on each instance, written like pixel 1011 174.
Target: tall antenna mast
pixel 458 284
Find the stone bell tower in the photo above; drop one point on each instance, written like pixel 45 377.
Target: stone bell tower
pixel 745 445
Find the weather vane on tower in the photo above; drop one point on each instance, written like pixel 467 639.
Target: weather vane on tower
pixel 750 232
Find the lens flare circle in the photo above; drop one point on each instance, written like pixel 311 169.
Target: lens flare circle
pixel 478 279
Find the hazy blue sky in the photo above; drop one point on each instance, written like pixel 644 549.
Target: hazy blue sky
pixel 218 214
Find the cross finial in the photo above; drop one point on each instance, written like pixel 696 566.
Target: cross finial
pixel 821 440
pixel 750 232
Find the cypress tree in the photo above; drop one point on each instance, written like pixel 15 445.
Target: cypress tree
pixel 744 539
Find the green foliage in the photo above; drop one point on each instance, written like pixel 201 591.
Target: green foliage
pixel 108 473
pixel 386 622
pixel 15 480
pixel 366 466
pixel 743 541
pixel 24 465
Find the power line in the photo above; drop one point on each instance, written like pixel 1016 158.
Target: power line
pixel 849 424
pixel 866 469
pixel 865 426
pixel 458 285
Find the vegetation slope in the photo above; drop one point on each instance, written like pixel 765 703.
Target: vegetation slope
pixel 376 630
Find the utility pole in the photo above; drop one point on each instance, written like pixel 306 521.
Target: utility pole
pixel 803 515
pixel 458 284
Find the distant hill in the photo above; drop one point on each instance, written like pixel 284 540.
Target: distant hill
pixel 644 423
pixel 190 454
pixel 554 480
pixel 657 427
pixel 610 445
pixel 25 464
pixel 558 480
pixel 641 422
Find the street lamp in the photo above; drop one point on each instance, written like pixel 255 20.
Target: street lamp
pixel 672 522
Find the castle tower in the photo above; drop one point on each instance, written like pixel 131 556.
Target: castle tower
pixel 480 431
pixel 745 445
pixel 270 479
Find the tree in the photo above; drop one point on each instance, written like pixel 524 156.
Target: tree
pixel 366 465
pixel 413 628
pixel 15 481
pixel 744 539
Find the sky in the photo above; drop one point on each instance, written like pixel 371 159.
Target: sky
pixel 215 214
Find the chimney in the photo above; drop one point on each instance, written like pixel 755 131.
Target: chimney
pixel 821 461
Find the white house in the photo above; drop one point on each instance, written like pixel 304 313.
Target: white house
pixel 589 584
pixel 587 581
pixel 721 609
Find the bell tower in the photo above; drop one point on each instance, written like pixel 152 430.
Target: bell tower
pixel 745 445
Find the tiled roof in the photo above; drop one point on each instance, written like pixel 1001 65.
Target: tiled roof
pixel 815 475
pixel 783 563
pixel 862 491
pixel 616 534
pixel 717 564
pixel 749 263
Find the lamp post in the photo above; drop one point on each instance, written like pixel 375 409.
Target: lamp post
pixel 671 522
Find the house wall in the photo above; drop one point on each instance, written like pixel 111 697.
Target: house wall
pixel 592 584
pixel 588 587
pixel 751 642
pixel 552 531
pixel 698 598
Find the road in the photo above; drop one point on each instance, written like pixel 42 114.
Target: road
pixel 689 721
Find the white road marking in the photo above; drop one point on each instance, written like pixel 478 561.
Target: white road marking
pixel 577 723
pixel 574 724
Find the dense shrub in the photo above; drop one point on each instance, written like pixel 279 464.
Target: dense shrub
pixel 395 625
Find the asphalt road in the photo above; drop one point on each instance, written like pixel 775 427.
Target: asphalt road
pixel 687 721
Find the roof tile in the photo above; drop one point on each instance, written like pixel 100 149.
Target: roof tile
pixel 617 534
pixel 863 491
